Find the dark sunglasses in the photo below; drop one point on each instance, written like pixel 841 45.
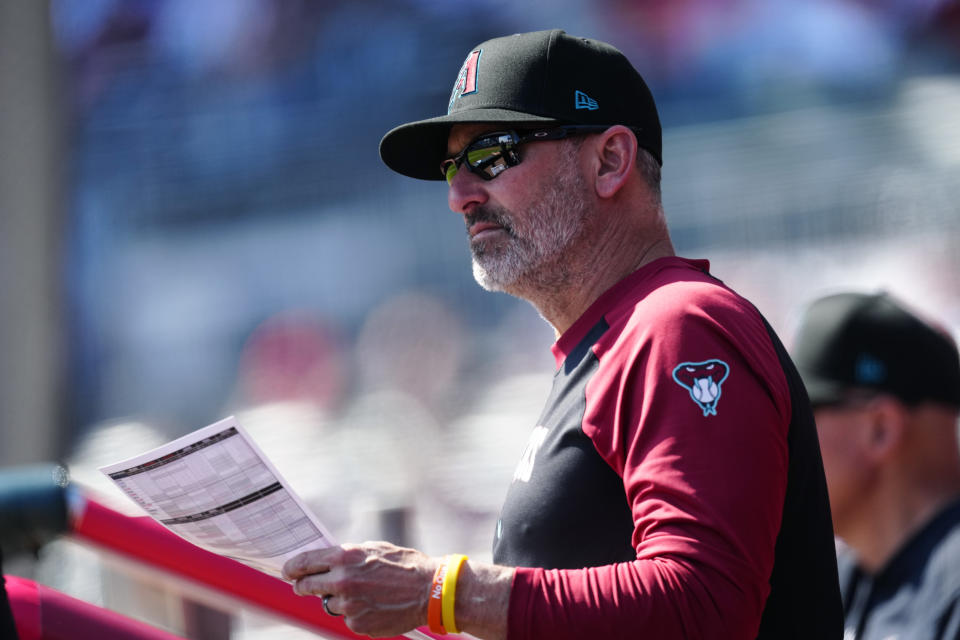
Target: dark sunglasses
pixel 492 153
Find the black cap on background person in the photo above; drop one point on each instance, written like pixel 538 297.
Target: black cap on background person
pixel 872 342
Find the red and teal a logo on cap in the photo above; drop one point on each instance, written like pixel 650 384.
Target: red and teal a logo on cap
pixel 467 78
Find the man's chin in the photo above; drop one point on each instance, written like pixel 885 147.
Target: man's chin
pixel 489 280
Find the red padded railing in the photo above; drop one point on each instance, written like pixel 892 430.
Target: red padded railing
pixel 42 613
pixel 145 541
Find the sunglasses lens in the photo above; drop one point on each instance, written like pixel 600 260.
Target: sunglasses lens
pixel 481 155
pixel 484 157
pixel 449 169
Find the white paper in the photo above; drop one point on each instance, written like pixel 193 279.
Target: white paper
pixel 215 488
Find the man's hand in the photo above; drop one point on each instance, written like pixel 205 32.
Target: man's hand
pixel 381 589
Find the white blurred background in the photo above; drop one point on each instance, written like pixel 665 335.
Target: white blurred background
pixel 194 222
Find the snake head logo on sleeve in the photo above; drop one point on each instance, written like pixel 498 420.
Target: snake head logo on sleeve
pixel 702 380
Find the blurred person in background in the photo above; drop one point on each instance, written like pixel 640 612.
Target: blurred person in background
pixel 673 486
pixel 885 387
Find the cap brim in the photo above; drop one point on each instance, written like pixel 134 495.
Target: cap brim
pixel 416 149
pixel 822 391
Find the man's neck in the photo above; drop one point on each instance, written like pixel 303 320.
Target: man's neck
pixel 877 539
pixel 562 303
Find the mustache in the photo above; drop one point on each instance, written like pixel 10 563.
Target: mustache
pixel 489 215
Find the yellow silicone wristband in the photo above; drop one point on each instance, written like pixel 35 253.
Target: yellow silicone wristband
pixel 449 591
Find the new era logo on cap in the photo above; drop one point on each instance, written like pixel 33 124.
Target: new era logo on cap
pixel 869 370
pixel 583 101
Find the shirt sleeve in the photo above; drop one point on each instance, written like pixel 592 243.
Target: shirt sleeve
pixel 691 407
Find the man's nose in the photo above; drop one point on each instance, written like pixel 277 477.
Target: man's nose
pixel 467 190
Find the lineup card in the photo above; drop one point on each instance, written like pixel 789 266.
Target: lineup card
pixel 215 488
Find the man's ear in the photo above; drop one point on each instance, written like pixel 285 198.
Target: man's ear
pixel 887 423
pixel 616 155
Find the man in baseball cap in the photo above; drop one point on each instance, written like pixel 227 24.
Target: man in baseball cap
pixel 885 387
pixel 672 487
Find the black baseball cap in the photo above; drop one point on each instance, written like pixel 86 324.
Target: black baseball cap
pixel 531 79
pixel 871 341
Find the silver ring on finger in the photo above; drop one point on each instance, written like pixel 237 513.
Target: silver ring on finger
pixel 325 602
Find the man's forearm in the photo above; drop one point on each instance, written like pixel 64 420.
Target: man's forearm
pixel 483 600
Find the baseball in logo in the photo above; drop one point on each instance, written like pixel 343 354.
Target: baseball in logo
pixel 467 78
pixel 703 380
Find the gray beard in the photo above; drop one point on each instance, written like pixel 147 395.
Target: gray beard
pixel 531 258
